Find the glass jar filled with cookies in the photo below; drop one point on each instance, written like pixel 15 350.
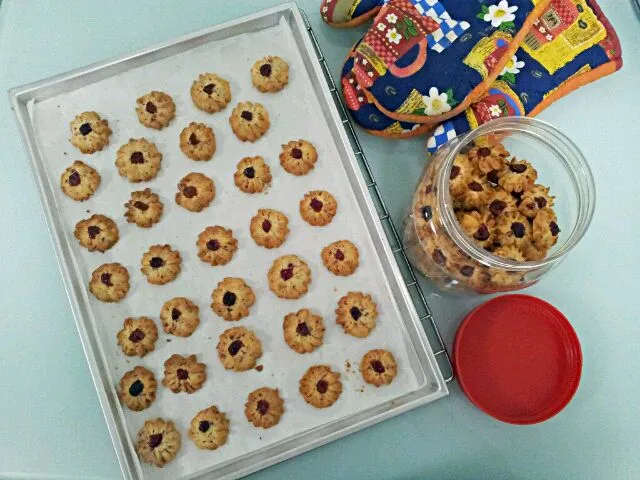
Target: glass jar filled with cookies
pixel 499 207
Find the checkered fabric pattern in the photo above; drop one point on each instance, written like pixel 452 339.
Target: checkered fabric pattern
pixel 449 32
pixel 441 135
pixel 432 8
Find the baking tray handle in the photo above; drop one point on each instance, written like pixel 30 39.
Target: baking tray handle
pixel 415 291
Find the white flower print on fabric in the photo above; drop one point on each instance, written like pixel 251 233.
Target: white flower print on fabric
pixel 500 13
pixel 435 103
pixel 393 36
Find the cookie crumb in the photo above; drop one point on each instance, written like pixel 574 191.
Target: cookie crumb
pixel 259 368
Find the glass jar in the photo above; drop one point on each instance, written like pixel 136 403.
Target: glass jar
pixel 437 235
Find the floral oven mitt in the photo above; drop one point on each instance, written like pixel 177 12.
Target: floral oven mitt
pixel 569 43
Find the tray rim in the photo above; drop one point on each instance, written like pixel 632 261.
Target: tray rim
pixel 130 467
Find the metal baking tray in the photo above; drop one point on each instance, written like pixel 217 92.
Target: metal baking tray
pixel 427 360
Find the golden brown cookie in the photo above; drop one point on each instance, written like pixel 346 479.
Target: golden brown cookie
pixel 298 157
pixel 160 264
pixel 545 229
pixel 357 314
pixel 184 374
pixel 378 367
pixel 249 121
pixel 137 389
pixel 510 252
pixel 270 74
pixel 195 192
pixel 289 277
pixel 209 429
pixel 158 442
pixel 535 199
pixel 155 110
pixel 470 275
pixel 479 226
pixel 512 229
pixel 144 208
pixel 210 92
pixel 486 158
pixel 264 407
pixel 79 181
pixel 269 228
pixel 320 386
pixel 460 176
pixel 518 177
pixel 238 349
pixel 138 336
pixel 252 175
pixel 499 202
pixel 303 331
pixel 109 282
pixel 138 160
pixel 341 258
pixel 475 196
pixel 318 208
pixel 197 141
pixel 89 133
pixel 179 316
pixel 97 233
pixel 232 299
pixel 216 245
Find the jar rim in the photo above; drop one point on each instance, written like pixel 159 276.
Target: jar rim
pixel 572 159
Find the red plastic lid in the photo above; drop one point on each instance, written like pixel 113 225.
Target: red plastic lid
pixel 518 359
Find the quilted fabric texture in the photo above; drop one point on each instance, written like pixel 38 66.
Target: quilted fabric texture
pixel 424 61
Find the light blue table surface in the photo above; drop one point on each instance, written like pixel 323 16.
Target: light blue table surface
pixel 51 425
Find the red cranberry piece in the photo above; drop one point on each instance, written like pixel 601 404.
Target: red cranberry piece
pixel 193 139
pixel 266 226
pixel 105 278
pixel 189 191
pixel 377 366
pixel 518 167
pixel 155 440
pixel 204 426
pixel 475 186
pixel 316 205
pixel 213 245
pixel 229 299
pixel 136 388
pixel 286 273
pixel 455 171
pixel 467 271
pixel 482 233
pixel 484 152
pixel 247 115
pixel 296 153
pixel 85 129
pixel 263 407
pixel 136 336
pixel 249 172
pixel 518 229
pixel 322 386
pixel 93 231
pixel 355 313
pixel 141 205
pixel 151 107
pixel 439 257
pixel 265 70
pixel 209 88
pixel 235 347
pixel 555 229
pixel 303 330
pixel 182 374
pixel 428 189
pixel 156 262
pixel 339 255
pixel 497 207
pixel 74 179
pixel 541 201
pixel 175 314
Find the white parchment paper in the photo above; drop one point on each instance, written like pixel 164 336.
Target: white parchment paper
pixel 295 113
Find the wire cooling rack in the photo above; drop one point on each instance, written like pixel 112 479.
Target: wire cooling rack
pixel 415 291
